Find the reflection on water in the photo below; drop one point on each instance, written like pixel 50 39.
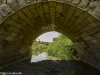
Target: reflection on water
pixel 39 57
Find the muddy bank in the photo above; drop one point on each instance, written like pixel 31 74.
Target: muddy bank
pixel 51 67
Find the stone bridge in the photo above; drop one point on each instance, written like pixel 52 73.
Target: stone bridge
pixel 22 21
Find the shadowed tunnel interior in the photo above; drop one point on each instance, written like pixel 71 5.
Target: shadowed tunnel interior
pixel 22 21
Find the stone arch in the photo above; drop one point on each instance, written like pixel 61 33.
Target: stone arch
pixel 21 21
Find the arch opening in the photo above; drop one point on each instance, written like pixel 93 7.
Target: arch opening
pixel 53 46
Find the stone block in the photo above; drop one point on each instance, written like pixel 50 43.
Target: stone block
pixel 14 29
pixel 97 36
pixel 94 41
pixel 33 10
pixel 88 38
pixel 0 1
pixel 84 35
pixel 45 7
pixel 21 3
pixel 52 4
pixel 9 38
pixel 73 8
pixel 83 16
pixel 59 7
pixel 90 18
pixel 43 0
pixel 2 14
pixel 17 19
pixel 8 1
pixel 13 23
pixel 76 2
pixel 78 12
pixel 92 25
pixel 35 1
pixel 3 36
pixel 13 4
pixel 14 34
pixel 4 1
pixel 29 1
pixel 84 23
pixel 95 30
pixel 97 22
pixel 3 32
pixel 24 17
pixel 68 1
pixel 84 3
pixel 6 8
pixel 94 4
pixel 90 32
pixel 96 12
pixel 68 16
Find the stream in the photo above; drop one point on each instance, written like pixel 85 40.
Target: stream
pixel 39 57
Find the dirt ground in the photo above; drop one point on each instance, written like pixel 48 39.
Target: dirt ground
pixel 51 67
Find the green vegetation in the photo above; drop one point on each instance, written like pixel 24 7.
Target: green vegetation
pixel 61 47
pixel 39 48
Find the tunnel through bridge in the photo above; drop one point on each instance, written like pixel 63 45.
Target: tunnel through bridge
pixel 22 21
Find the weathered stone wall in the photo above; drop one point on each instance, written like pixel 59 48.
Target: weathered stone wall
pixel 22 21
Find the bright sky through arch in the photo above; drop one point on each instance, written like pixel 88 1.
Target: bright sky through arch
pixel 48 37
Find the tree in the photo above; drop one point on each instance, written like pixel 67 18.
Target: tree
pixel 62 48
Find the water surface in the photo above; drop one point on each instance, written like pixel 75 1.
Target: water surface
pixel 39 57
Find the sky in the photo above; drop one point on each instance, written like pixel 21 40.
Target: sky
pixel 47 37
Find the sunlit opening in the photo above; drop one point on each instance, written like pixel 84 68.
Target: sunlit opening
pixel 52 46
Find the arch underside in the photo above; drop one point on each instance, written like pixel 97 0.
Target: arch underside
pixel 20 27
